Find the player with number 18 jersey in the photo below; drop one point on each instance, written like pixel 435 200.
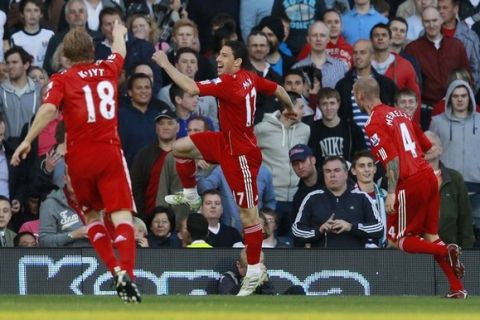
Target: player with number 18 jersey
pixel 392 135
pixel 86 93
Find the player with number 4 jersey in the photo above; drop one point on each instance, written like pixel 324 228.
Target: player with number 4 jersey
pixel 413 199
pixel 86 93
pixel 234 148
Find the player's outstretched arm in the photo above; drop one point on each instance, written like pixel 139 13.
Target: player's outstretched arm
pixel 118 45
pixel 284 99
pixel 393 172
pixel 46 113
pixel 188 85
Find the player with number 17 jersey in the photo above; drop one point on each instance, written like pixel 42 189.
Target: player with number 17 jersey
pixel 237 95
pixel 88 104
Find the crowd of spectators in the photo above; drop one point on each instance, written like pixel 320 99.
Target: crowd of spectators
pixel 319 185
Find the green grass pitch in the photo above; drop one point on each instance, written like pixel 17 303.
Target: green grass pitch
pixel 233 308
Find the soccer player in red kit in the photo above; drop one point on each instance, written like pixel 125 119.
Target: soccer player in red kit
pixel 413 200
pixel 234 148
pixel 87 95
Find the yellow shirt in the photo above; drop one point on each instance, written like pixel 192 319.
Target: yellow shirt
pixel 199 244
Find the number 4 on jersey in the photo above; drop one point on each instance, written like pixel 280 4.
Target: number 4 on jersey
pixel 408 143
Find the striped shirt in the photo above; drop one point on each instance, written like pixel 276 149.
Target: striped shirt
pixel 332 70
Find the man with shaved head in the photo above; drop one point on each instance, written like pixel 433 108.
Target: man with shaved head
pixel 413 200
pixel 438 57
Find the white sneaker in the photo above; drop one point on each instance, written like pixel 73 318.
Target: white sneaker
pixel 179 199
pixel 251 283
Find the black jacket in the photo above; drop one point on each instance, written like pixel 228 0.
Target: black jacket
pixel 352 206
pixel 345 87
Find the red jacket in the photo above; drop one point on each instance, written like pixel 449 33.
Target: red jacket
pixel 436 64
pixel 402 73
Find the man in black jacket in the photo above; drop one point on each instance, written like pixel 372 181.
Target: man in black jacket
pixel 362 68
pixel 336 216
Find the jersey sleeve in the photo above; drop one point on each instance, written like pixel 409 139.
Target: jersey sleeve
pixel 219 87
pixel 383 145
pixel 114 63
pixel 55 91
pixel 265 86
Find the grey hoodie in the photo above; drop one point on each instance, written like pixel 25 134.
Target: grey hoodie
pixel 57 219
pixel 460 137
pixel 18 108
pixel 275 140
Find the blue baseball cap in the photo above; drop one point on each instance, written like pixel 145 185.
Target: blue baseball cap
pixel 299 152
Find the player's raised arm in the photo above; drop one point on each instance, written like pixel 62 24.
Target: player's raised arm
pixel 118 45
pixel 284 99
pixel 45 114
pixel 184 82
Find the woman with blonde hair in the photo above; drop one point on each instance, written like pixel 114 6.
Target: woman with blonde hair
pixel 143 27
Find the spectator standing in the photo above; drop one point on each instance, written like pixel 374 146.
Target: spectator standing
pixel 362 68
pixel 333 70
pixel 19 95
pixel 392 65
pixel 251 13
pixel 438 56
pixel 458 130
pixel 331 135
pixel 136 116
pixel 358 22
pixel 302 14
pixel 258 48
pixel 149 161
pixel 455 221
pixel 414 21
pixel 138 50
pixel 276 135
pixel 274 29
pixel 33 38
pixel 453 27
pixel 398 26
pixel 186 61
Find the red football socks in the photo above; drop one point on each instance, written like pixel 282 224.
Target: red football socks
pixel 253 237
pixel 102 243
pixel 455 283
pixel 415 244
pixel 125 243
pixel 186 172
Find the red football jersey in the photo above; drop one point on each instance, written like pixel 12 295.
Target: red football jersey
pixel 392 135
pixel 237 96
pixel 87 95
